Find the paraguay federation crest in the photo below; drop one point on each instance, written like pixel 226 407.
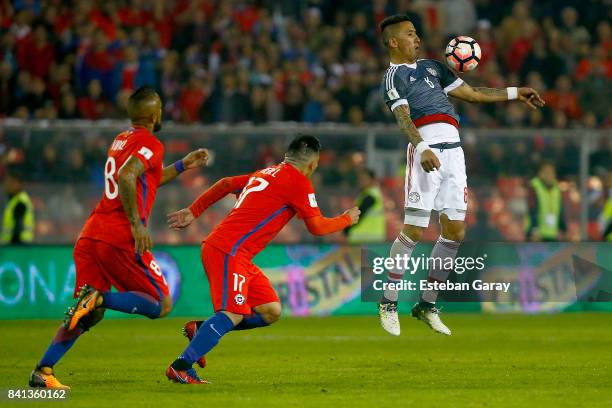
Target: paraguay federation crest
pixel 432 71
pixel 414 197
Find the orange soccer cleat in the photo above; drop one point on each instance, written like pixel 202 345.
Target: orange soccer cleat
pixel 85 304
pixel 43 377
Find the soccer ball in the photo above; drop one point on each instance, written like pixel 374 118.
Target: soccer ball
pixel 462 53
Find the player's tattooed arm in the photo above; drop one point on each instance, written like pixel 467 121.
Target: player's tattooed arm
pixel 429 161
pixel 197 158
pixel 496 93
pixel 528 96
pixel 126 178
pixel 404 121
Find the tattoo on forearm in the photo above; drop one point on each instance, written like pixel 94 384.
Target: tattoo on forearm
pixel 127 192
pixel 402 116
pixel 502 93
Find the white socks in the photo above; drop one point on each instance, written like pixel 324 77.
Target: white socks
pixel 402 246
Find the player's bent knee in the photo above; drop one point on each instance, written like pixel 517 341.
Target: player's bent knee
pixel 454 234
pixel 271 312
pixel 166 306
pixel 413 232
pixel 452 229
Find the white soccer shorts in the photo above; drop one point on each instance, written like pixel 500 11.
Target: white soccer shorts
pixel 443 190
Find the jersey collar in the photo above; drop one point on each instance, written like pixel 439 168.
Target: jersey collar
pixel 408 65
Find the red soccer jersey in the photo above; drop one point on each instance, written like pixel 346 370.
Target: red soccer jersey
pixel 108 221
pixel 270 199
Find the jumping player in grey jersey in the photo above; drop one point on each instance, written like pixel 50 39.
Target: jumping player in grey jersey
pixel 416 91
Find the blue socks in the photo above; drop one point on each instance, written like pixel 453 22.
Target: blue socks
pixel 207 337
pixel 128 302
pixel 60 344
pixel 132 302
pixel 251 322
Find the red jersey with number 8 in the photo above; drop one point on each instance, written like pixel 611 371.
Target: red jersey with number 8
pixel 108 221
pixel 269 200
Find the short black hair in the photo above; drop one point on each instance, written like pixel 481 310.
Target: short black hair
pixel 391 20
pixel 139 102
pixel 303 147
pixel 143 93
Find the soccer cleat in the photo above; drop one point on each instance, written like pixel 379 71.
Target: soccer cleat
pixel 44 377
pixel 85 304
pixel 430 315
pixel 389 319
pixel 189 330
pixel 184 377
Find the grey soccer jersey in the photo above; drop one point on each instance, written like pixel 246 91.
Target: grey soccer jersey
pixel 423 86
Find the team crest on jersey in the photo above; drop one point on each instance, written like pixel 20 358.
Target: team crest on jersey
pixel 392 93
pixel 414 197
pixel 412 79
pixel 145 152
pixel 312 200
pixel 432 71
pixel 239 299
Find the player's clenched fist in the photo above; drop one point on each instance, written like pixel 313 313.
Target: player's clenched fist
pixel 429 161
pixel 354 214
pixel 530 97
pixel 142 239
pixel 197 158
pixel 180 219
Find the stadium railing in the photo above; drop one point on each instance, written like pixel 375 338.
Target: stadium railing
pixel 62 162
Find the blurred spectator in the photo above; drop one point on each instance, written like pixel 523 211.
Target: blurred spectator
pixel 38 53
pixel 294 102
pixel 68 106
pixel 227 103
pixel 93 106
pixel 606 215
pixel 372 224
pixel 459 17
pixel 546 220
pixel 563 99
pixel 7 88
pixel 191 100
pixel 18 217
pixel 484 230
pixel 259 109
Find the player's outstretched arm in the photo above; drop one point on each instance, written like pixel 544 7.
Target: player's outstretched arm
pixel 322 225
pixel 126 178
pixel 183 218
pixel 528 96
pixel 429 161
pixel 197 158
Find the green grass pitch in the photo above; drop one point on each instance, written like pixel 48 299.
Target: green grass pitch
pixel 562 360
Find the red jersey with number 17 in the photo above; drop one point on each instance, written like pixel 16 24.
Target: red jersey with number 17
pixel 108 221
pixel 269 200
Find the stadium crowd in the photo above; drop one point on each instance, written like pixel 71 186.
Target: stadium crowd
pixel 292 60
pixel 309 61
